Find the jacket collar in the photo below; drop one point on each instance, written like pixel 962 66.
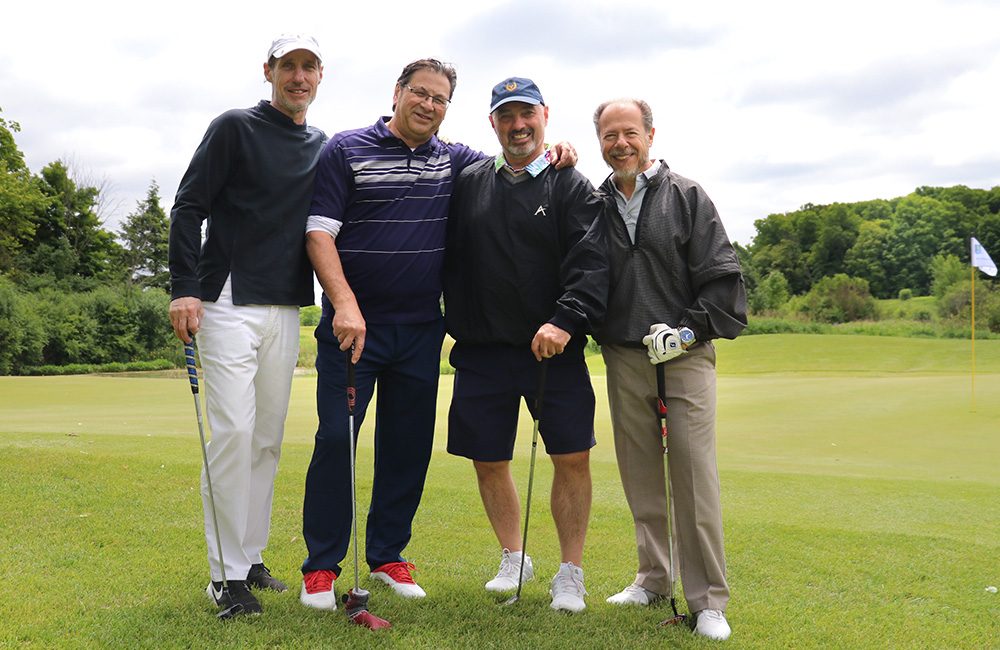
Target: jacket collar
pixel 607 189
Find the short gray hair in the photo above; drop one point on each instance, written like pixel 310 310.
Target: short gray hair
pixel 647 112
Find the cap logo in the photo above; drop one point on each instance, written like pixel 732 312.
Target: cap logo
pixel 511 86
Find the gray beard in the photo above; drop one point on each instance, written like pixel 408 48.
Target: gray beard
pixel 628 175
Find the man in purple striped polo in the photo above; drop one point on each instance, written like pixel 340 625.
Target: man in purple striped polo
pixel 375 236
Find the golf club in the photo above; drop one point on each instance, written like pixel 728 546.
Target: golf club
pixel 531 478
pixel 356 599
pixel 661 409
pixel 233 608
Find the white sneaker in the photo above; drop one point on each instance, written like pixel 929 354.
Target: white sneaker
pixel 397 575
pixel 510 570
pixel 712 623
pixel 567 588
pixel 635 595
pixel 317 590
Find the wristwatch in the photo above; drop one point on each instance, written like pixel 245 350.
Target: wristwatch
pixel 687 337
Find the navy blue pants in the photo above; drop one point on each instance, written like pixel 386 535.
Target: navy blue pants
pixel 404 360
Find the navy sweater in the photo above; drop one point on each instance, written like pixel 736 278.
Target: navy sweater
pixel 250 179
pixel 521 255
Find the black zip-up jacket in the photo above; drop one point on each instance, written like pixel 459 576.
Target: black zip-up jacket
pixel 682 269
pixel 519 255
pixel 251 178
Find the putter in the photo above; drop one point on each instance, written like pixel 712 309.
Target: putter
pixel 531 479
pixel 356 599
pixel 192 370
pixel 661 409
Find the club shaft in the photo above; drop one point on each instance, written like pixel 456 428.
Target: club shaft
pixel 189 359
pixel 661 407
pixel 543 366
pixel 351 396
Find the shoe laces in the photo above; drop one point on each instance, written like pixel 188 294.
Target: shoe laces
pixel 318 581
pixel 508 566
pixel 635 589
pixel 399 571
pixel 712 616
pixel 569 580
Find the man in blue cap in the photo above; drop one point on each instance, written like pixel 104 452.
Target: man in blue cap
pixel 525 281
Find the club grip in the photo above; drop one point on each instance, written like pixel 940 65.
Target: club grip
pixel 542 367
pixel 191 367
pixel 661 390
pixel 351 391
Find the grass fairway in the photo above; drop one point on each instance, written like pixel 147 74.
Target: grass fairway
pixel 860 491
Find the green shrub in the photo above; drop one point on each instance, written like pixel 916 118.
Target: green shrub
pixel 956 301
pixel 772 325
pixel 21 337
pixel 106 325
pixel 90 368
pixel 309 316
pixel 946 272
pixel 770 294
pixel 838 299
pixel 905 294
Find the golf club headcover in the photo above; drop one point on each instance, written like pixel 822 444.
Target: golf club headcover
pixel 356 606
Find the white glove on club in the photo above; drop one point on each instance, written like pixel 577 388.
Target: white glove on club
pixel 664 343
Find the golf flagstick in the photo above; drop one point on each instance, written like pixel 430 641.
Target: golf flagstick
pixel 356 600
pixel 661 409
pixel 192 370
pixel 544 364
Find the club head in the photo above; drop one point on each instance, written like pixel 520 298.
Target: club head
pixel 510 601
pixel 229 612
pixel 364 618
pixel 673 620
pixel 356 605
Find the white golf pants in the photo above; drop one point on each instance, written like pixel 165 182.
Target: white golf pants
pixel 248 355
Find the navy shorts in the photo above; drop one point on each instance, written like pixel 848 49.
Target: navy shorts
pixel 491 380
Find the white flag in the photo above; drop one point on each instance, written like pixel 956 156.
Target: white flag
pixel 982 260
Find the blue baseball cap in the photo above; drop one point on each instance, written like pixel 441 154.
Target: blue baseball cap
pixel 515 89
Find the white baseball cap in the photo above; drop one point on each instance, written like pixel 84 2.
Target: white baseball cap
pixel 286 43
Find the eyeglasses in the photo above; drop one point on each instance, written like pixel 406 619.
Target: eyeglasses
pixel 423 95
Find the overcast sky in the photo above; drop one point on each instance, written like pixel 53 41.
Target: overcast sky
pixel 769 105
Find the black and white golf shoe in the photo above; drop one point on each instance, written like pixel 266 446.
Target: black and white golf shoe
pixel 260 578
pixel 235 601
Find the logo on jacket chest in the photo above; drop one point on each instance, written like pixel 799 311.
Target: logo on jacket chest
pixel 541 211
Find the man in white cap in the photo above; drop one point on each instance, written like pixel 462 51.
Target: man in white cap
pixel 251 180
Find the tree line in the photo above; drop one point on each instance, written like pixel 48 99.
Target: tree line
pixel 828 262
pixel 72 292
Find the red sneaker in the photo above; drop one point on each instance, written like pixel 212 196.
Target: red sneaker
pixel 397 575
pixel 317 590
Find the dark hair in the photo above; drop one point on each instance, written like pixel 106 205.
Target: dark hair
pixel 647 112
pixel 434 66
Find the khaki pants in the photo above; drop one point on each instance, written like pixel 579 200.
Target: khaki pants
pixel 694 478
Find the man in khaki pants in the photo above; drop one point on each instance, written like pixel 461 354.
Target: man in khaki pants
pixel 675 286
